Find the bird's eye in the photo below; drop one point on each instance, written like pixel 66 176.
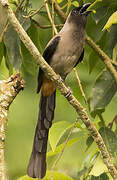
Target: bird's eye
pixel 75 11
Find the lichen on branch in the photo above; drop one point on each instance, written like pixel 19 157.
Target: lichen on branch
pixel 8 91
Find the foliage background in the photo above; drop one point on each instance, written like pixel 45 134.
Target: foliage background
pixel 24 110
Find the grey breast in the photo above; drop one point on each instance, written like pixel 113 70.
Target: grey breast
pixel 68 51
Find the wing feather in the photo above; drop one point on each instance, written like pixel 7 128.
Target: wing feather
pixel 47 55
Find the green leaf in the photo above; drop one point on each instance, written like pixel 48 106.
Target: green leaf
pixel 101 177
pixel 78 125
pixel 112 40
pixel 59 1
pixel 25 22
pixel 89 142
pixel 12 43
pixel 115 126
pixel 1 51
pixel 75 3
pixel 81 172
pixel 8 64
pixel 93 60
pixel 111 20
pixel 100 13
pixel 56 132
pixel 28 62
pixel 56 176
pixel 104 89
pixel 26 178
pixel 115 53
pixel 93 4
pixel 94 31
pixel 99 167
pixel 3 18
pixel 60 147
pixel 110 139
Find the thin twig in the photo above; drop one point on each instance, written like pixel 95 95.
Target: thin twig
pixel 62 87
pixel 53 15
pixel 80 86
pixel 110 125
pixel 46 26
pixel 3 32
pixel 50 18
pixel 101 119
pixel 63 149
pixel 59 11
pixel 64 6
pixel 68 7
pixel 35 12
pixel 19 6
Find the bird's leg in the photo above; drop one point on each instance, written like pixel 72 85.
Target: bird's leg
pixel 61 79
pixel 69 92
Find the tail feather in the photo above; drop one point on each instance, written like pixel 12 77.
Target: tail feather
pixel 37 163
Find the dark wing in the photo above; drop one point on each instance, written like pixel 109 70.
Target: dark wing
pixel 49 51
pixel 47 55
pixel 80 58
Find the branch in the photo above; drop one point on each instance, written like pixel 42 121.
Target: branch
pixel 35 12
pixel 50 18
pixel 19 6
pixel 80 86
pixel 46 26
pixel 110 125
pixel 3 32
pixel 8 91
pixel 58 9
pixel 53 16
pixel 107 61
pixel 68 7
pixel 61 86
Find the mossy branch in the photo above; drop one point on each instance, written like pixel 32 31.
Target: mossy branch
pixel 61 86
pixel 8 91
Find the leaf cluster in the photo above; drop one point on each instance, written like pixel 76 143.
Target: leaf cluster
pixel 17 57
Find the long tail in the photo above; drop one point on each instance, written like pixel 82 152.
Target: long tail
pixel 37 163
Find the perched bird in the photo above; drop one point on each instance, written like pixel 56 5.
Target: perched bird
pixel 63 53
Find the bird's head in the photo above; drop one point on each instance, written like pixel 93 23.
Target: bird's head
pixel 79 14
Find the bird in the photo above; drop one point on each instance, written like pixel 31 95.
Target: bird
pixel 63 52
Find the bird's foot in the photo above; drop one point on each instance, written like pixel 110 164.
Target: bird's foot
pixel 60 78
pixel 69 92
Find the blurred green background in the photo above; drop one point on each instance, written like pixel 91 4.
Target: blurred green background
pixel 23 111
pixel 23 116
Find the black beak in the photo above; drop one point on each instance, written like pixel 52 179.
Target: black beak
pixel 83 10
